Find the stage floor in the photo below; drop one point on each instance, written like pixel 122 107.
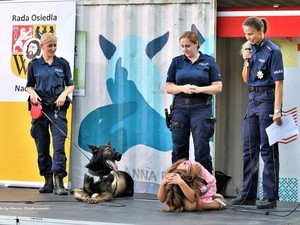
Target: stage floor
pixel 25 206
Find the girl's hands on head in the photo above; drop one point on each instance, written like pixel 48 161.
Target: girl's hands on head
pixel 172 178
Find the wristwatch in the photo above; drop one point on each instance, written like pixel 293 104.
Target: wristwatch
pixel 277 111
pixel 246 63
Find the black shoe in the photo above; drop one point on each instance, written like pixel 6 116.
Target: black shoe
pixel 266 204
pixel 59 188
pixel 241 200
pixel 48 186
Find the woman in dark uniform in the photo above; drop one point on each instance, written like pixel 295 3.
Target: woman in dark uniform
pixel 263 73
pixel 49 81
pixel 193 78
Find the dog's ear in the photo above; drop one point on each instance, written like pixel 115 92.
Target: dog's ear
pixel 107 142
pixel 93 148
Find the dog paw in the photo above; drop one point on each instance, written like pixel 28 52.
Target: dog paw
pixel 92 201
pixel 80 195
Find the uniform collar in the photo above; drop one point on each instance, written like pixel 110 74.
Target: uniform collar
pixel 200 58
pixel 262 44
pixel 55 61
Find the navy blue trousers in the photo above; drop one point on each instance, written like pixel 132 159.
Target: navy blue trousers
pixel 198 120
pixel 40 131
pixel 255 142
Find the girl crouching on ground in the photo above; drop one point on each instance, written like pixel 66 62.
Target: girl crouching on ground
pixel 188 186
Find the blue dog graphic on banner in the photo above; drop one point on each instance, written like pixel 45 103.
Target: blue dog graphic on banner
pixel 135 116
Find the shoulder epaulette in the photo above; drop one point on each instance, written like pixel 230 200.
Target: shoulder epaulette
pixel 64 60
pixel 34 59
pixel 269 48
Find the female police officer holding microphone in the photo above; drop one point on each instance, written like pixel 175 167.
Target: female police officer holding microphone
pixel 263 73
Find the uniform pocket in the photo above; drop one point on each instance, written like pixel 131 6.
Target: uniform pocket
pixel 210 124
pixel 59 73
pixel 266 120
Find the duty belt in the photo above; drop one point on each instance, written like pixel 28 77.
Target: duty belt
pixel 189 101
pixel 49 106
pixel 260 88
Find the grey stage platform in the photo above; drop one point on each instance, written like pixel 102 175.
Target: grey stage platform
pixel 23 206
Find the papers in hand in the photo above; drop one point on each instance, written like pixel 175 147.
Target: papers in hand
pixel 287 129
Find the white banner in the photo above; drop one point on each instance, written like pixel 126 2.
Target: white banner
pixel 22 24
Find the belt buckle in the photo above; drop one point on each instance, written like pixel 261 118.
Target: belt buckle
pixel 186 101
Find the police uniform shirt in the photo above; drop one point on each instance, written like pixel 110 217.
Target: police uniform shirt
pixel 202 72
pixel 49 81
pixel 266 64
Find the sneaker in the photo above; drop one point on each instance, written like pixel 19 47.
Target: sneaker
pixel 241 200
pixel 266 204
pixel 220 199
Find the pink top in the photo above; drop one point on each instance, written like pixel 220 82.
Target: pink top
pixel 208 197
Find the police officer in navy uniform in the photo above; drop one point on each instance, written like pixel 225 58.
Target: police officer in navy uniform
pixel 49 81
pixel 193 78
pixel 263 73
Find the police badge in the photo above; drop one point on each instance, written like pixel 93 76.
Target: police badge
pixel 260 74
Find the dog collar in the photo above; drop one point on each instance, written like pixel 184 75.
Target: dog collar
pixel 98 173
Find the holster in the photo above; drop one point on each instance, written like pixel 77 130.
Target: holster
pixel 67 103
pixel 168 118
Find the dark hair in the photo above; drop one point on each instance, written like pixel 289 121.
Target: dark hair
pixel 256 23
pixel 192 36
pixel 175 198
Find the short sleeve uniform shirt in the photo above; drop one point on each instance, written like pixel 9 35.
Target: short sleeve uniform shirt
pixel 202 72
pixel 266 64
pixel 49 81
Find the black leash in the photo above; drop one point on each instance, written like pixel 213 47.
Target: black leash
pixel 65 135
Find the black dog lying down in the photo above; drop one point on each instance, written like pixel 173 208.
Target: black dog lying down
pixel 103 181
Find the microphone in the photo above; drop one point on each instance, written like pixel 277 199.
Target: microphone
pixel 248 47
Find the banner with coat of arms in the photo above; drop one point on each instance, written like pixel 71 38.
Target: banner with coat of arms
pixel 25 45
pixel 22 24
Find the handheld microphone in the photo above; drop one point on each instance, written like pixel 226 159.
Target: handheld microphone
pixel 248 47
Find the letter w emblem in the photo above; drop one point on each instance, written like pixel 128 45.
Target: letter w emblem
pixel 19 65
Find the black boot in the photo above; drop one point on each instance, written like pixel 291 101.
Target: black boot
pixel 48 186
pixel 59 188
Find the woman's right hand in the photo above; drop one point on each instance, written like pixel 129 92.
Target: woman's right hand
pixel 188 89
pixel 247 55
pixel 34 98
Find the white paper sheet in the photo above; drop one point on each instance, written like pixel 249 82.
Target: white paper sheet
pixel 287 129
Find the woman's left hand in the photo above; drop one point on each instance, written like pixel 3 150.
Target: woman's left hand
pixel 60 101
pixel 277 119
